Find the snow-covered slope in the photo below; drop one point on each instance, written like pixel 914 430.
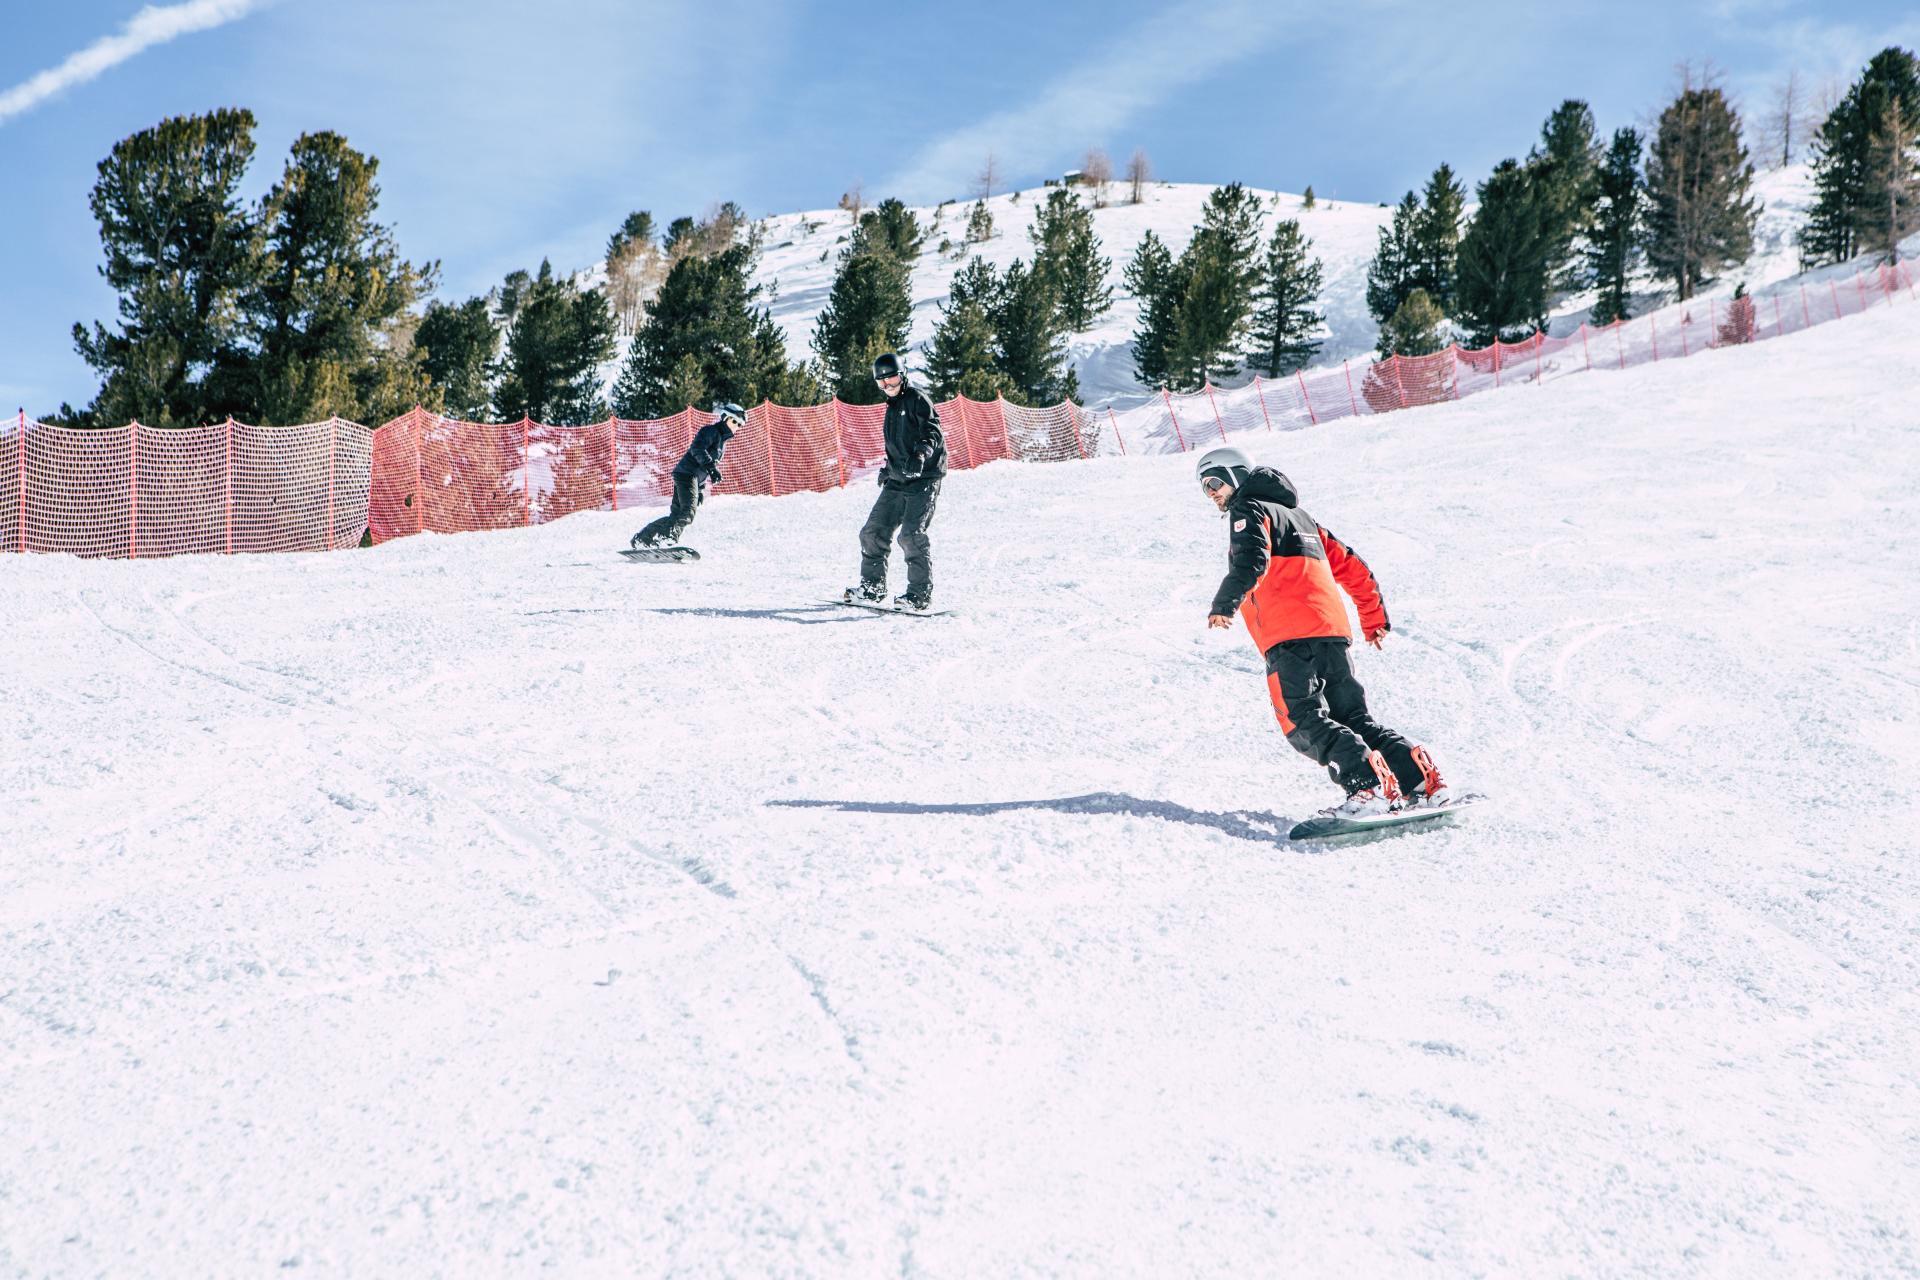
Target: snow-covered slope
pixel 802 250
pixel 476 904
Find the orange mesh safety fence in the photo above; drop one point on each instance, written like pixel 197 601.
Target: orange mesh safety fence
pixel 231 488
pixel 138 491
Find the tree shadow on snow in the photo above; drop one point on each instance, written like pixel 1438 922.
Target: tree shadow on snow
pixel 1242 824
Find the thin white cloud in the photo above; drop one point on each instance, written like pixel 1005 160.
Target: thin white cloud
pixel 155 24
pixel 1134 73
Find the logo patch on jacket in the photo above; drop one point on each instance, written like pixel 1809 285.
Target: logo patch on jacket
pixel 1239 526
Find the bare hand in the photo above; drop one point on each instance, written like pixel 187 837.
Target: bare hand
pixel 1378 639
pixel 1219 621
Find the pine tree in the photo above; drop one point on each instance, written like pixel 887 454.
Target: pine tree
pixel 1700 217
pixel 1390 275
pixel 1306 199
pixel 1858 158
pixel 895 225
pixel 1433 243
pixel 1614 245
pixel 707 338
pixel 979 224
pixel 1284 314
pixel 1503 262
pixel 1562 169
pixel 1418 328
pixel 1066 251
pixel 1025 315
pixel 963 358
pixel 180 252
pixel 868 311
pixel 1219 271
pixel 457 347
pixel 1892 212
pixel 1153 278
pixel 559 339
pixel 637 228
pixel 331 292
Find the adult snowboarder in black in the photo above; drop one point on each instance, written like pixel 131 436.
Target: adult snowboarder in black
pixel 697 468
pixel 909 487
pixel 1284 576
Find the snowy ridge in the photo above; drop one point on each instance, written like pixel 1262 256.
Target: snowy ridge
pixel 473 904
pixel 801 250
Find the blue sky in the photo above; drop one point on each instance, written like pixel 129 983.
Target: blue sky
pixel 507 131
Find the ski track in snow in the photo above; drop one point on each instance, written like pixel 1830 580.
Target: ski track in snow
pixel 474 904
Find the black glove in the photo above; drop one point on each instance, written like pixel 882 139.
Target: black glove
pixel 883 477
pixel 714 475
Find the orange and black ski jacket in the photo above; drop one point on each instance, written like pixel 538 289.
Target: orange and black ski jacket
pixel 1282 568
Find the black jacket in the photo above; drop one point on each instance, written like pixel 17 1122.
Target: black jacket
pixel 916 448
pixel 702 458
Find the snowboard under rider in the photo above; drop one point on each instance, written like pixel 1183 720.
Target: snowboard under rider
pixel 697 468
pixel 1284 576
pixel 909 487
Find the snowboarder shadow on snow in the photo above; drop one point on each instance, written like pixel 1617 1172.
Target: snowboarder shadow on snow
pixel 1242 824
pixel 792 613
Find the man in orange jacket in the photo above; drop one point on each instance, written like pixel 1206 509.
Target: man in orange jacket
pixel 1285 573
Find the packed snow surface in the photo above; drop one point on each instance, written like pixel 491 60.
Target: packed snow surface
pixel 476 904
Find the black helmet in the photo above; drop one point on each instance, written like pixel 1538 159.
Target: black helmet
pixel 886 365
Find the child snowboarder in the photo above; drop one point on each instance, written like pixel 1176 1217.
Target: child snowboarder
pixel 1283 568
pixel 697 468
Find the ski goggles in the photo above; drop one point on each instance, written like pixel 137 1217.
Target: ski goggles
pixel 1212 484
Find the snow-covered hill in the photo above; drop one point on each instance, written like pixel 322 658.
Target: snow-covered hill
pixel 478 904
pixel 801 250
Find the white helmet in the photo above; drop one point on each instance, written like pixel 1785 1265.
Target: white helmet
pixel 1224 462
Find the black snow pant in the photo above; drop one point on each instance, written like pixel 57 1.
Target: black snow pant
pixel 910 511
pixel 1323 711
pixel 688 494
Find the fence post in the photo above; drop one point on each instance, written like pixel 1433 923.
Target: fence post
pixel 1585 350
pixel 1806 312
pixel 230 484
pixel 1686 322
pixel 839 446
pixel 1312 417
pixel 773 480
pixel 1619 343
pixel 1653 324
pixel 419 492
pixel 23 481
pixel 1833 291
pixel 1115 423
pixel 1860 284
pixel 1539 349
pixel 526 472
pixel 333 450
pixel 1178 434
pixel 1262 396
pixel 1351 402
pixel 1453 362
pixel 1496 360
pixel 133 489
pixel 1399 384
pixel 613 459
pixel 1215 405
pixel 1073 420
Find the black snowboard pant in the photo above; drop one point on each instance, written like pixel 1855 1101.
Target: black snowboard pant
pixel 1323 711
pixel 688 494
pixel 909 511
